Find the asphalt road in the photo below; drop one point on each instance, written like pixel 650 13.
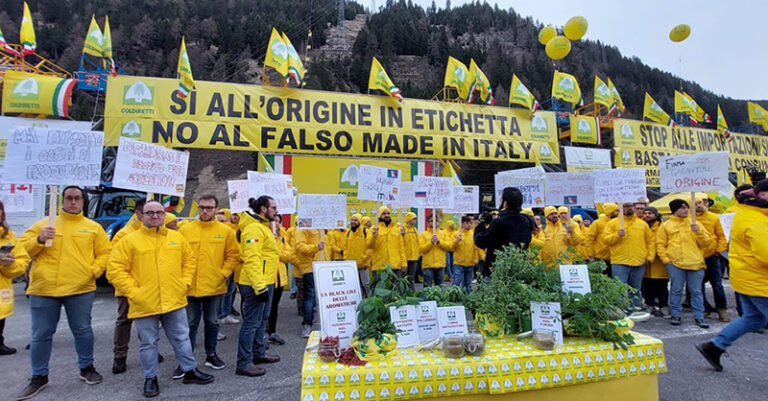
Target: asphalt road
pixel 689 377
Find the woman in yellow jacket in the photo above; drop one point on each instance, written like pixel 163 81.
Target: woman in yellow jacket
pixel 655 287
pixel 433 248
pixel 13 263
pixel 465 255
pixel 680 245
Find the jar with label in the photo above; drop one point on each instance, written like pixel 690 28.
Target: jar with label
pixel 474 344
pixel 453 346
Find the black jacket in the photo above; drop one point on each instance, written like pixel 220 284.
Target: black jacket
pixel 509 228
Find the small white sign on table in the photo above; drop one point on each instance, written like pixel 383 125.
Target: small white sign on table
pixel 433 192
pixel 404 319
pixel 321 211
pixel 466 199
pixel 278 186
pixel 697 172
pixel 570 189
pixel 452 320
pixel 238 196
pixel 426 320
pixel 575 278
pixel 546 316
pixel 530 181
pixel 338 294
pixel 379 184
pixel 620 185
pixel 142 166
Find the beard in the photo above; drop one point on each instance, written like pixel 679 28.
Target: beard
pixel 386 220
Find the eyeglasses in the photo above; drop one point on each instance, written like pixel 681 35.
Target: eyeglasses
pixel 153 213
pixel 206 207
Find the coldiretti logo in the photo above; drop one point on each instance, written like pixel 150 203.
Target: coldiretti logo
pixel 85 231
pixel 138 94
pixel 337 276
pixel 27 89
pixel 172 243
pixel 131 129
pixel 348 177
pixel 218 236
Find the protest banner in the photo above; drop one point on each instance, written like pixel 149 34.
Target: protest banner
pixel 546 316
pixel 426 320
pixel 404 319
pixel 698 172
pixel 586 159
pixel 452 320
pixel 466 199
pixel 726 220
pixel 433 192
pixel 36 155
pixel 320 211
pixel 338 291
pixel 278 186
pixel 378 183
pixel 150 168
pixel 620 185
pixel 570 189
pixel 575 278
pixel 405 198
pixel 238 195
pixel 17 198
pixel 530 181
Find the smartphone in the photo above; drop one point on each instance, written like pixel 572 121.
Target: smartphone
pixel 7 248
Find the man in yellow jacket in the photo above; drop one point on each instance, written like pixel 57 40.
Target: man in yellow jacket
pixel 433 246
pixel 411 243
pixel 388 247
pixel 154 268
pixel 655 287
pixel 560 236
pixel 217 254
pixel 308 249
pixel 713 273
pixel 749 274
pixel 680 245
pixel 465 255
pixel 64 274
pixel 357 240
pixel 13 263
pixel 595 236
pixel 632 247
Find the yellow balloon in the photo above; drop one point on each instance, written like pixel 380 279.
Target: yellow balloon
pixel 575 28
pixel 558 47
pixel 679 33
pixel 547 33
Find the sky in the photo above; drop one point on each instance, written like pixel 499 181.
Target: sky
pixel 726 53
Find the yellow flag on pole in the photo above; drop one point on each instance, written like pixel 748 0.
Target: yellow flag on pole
pixel 616 97
pixel 722 125
pixel 685 104
pixel 277 54
pixel 565 87
pixel 378 79
pixel 653 112
pixel 457 76
pixel 757 115
pixel 295 66
pixel 27 35
pixel 602 94
pixel 107 49
pixel 520 95
pixel 94 40
pixel 186 81
pixel 482 83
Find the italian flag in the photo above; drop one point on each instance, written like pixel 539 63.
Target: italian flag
pixel 61 97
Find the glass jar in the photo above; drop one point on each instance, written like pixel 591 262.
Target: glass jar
pixel 474 344
pixel 453 346
pixel 328 351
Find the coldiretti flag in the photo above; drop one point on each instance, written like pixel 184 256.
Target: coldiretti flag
pixel 457 76
pixel 186 81
pixel 94 40
pixel 684 103
pixel 107 48
pixel 378 79
pixel 565 87
pixel 277 54
pixel 25 92
pixel 450 172
pixel 616 97
pixel 27 35
pixel 295 66
pixel 743 177
pixel 585 129
pixel 5 46
pixel 722 126
pixel 519 94
pixel 481 82
pixel 757 115
pixel 653 112
pixel 603 94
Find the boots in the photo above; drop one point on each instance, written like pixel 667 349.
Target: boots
pixel 119 366
pixel 712 354
pixel 723 315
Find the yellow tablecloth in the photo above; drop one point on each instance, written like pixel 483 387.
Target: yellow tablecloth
pixel 506 366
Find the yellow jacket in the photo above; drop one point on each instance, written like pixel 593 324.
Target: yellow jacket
pixel 596 241
pixel 433 255
pixel 538 239
pixel 657 268
pixel 411 242
pixel 8 273
pixel 557 243
pixel 676 243
pixel 286 256
pixel 638 245
pixel 129 227
pixel 388 248
pixel 307 251
pixel 261 258
pixel 336 241
pixel 217 253
pixel 153 267
pixel 748 253
pixel 78 256
pixel 356 244
pixel 465 253
pixel 711 222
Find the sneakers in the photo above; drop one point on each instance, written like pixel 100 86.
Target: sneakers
pixel 214 362
pixel 90 376
pixel 221 336
pixel 701 323
pixel 250 371
pixel 306 331
pixel 195 376
pixel 151 388
pixel 178 373
pixel 36 384
pixel 293 295
pixel 675 321
pixel 712 354
pixel 119 366
pixel 722 314
pixel 234 312
pixel 275 339
pixel 657 312
pixel 5 350
pixel 229 319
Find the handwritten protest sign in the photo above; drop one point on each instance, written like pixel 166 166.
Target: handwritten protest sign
pixel 405 197
pixel 546 316
pixel 530 181
pixel 570 189
pixel 619 185
pixel 694 172
pixel 338 293
pixel 53 156
pixel 238 195
pixel 320 211
pixel 278 186
pixel 21 220
pixel 466 199
pixel 146 167
pixel 17 198
pixel 433 192
pixel 378 183
pixel 726 219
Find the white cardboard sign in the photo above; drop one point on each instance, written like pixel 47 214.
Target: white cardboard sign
pixel 452 320
pixel 404 319
pixel 426 320
pixel 466 199
pixel 338 293
pixel 530 181
pixel 697 172
pixel 620 185
pixel 570 189
pixel 37 155
pixel 278 186
pixel 238 195
pixel 321 211
pixel 433 192
pixel 379 184
pixel 726 220
pixel 142 166
pixel 405 198
pixel 17 198
pixel 546 316
pixel 575 278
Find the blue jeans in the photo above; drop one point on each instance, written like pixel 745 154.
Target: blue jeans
pixel 632 276
pixel 678 278
pixel 228 297
pixel 208 308
pixel 309 298
pixel 176 329
pixel 433 276
pixel 755 317
pixel 463 277
pixel 44 316
pixel 294 288
pixel 259 342
pixel 714 274
pixel 252 314
pixel 449 265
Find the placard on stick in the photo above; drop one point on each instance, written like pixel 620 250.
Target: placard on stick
pixel 17 198
pixel 620 185
pixel 405 197
pixel 697 172
pixel 570 189
pixel 466 199
pixel 142 166
pixel 433 192
pixel 530 181
pixel 278 186
pixel 321 211
pixel 379 184
pixel 238 195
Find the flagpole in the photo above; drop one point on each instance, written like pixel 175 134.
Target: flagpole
pixel 53 198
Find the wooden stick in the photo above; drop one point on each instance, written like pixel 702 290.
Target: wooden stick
pixel 322 239
pixel 434 219
pixel 693 208
pixel 621 215
pixel 53 200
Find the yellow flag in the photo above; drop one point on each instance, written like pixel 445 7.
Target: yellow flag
pixel 186 81
pixel 616 97
pixel 378 79
pixel 566 88
pixel 457 76
pixel 450 172
pixel 295 66
pixel 27 35
pixel 107 48
pixel 277 54
pixel 519 94
pixel 482 83
pixel 263 160
pixel 585 129
pixel 24 92
pixel 722 126
pixel 94 40
pixel 685 104
pixel 653 112
pixel 603 95
pixel 757 115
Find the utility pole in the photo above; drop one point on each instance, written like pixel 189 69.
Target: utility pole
pixel 340 22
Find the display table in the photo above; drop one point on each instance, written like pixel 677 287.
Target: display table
pixel 581 369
